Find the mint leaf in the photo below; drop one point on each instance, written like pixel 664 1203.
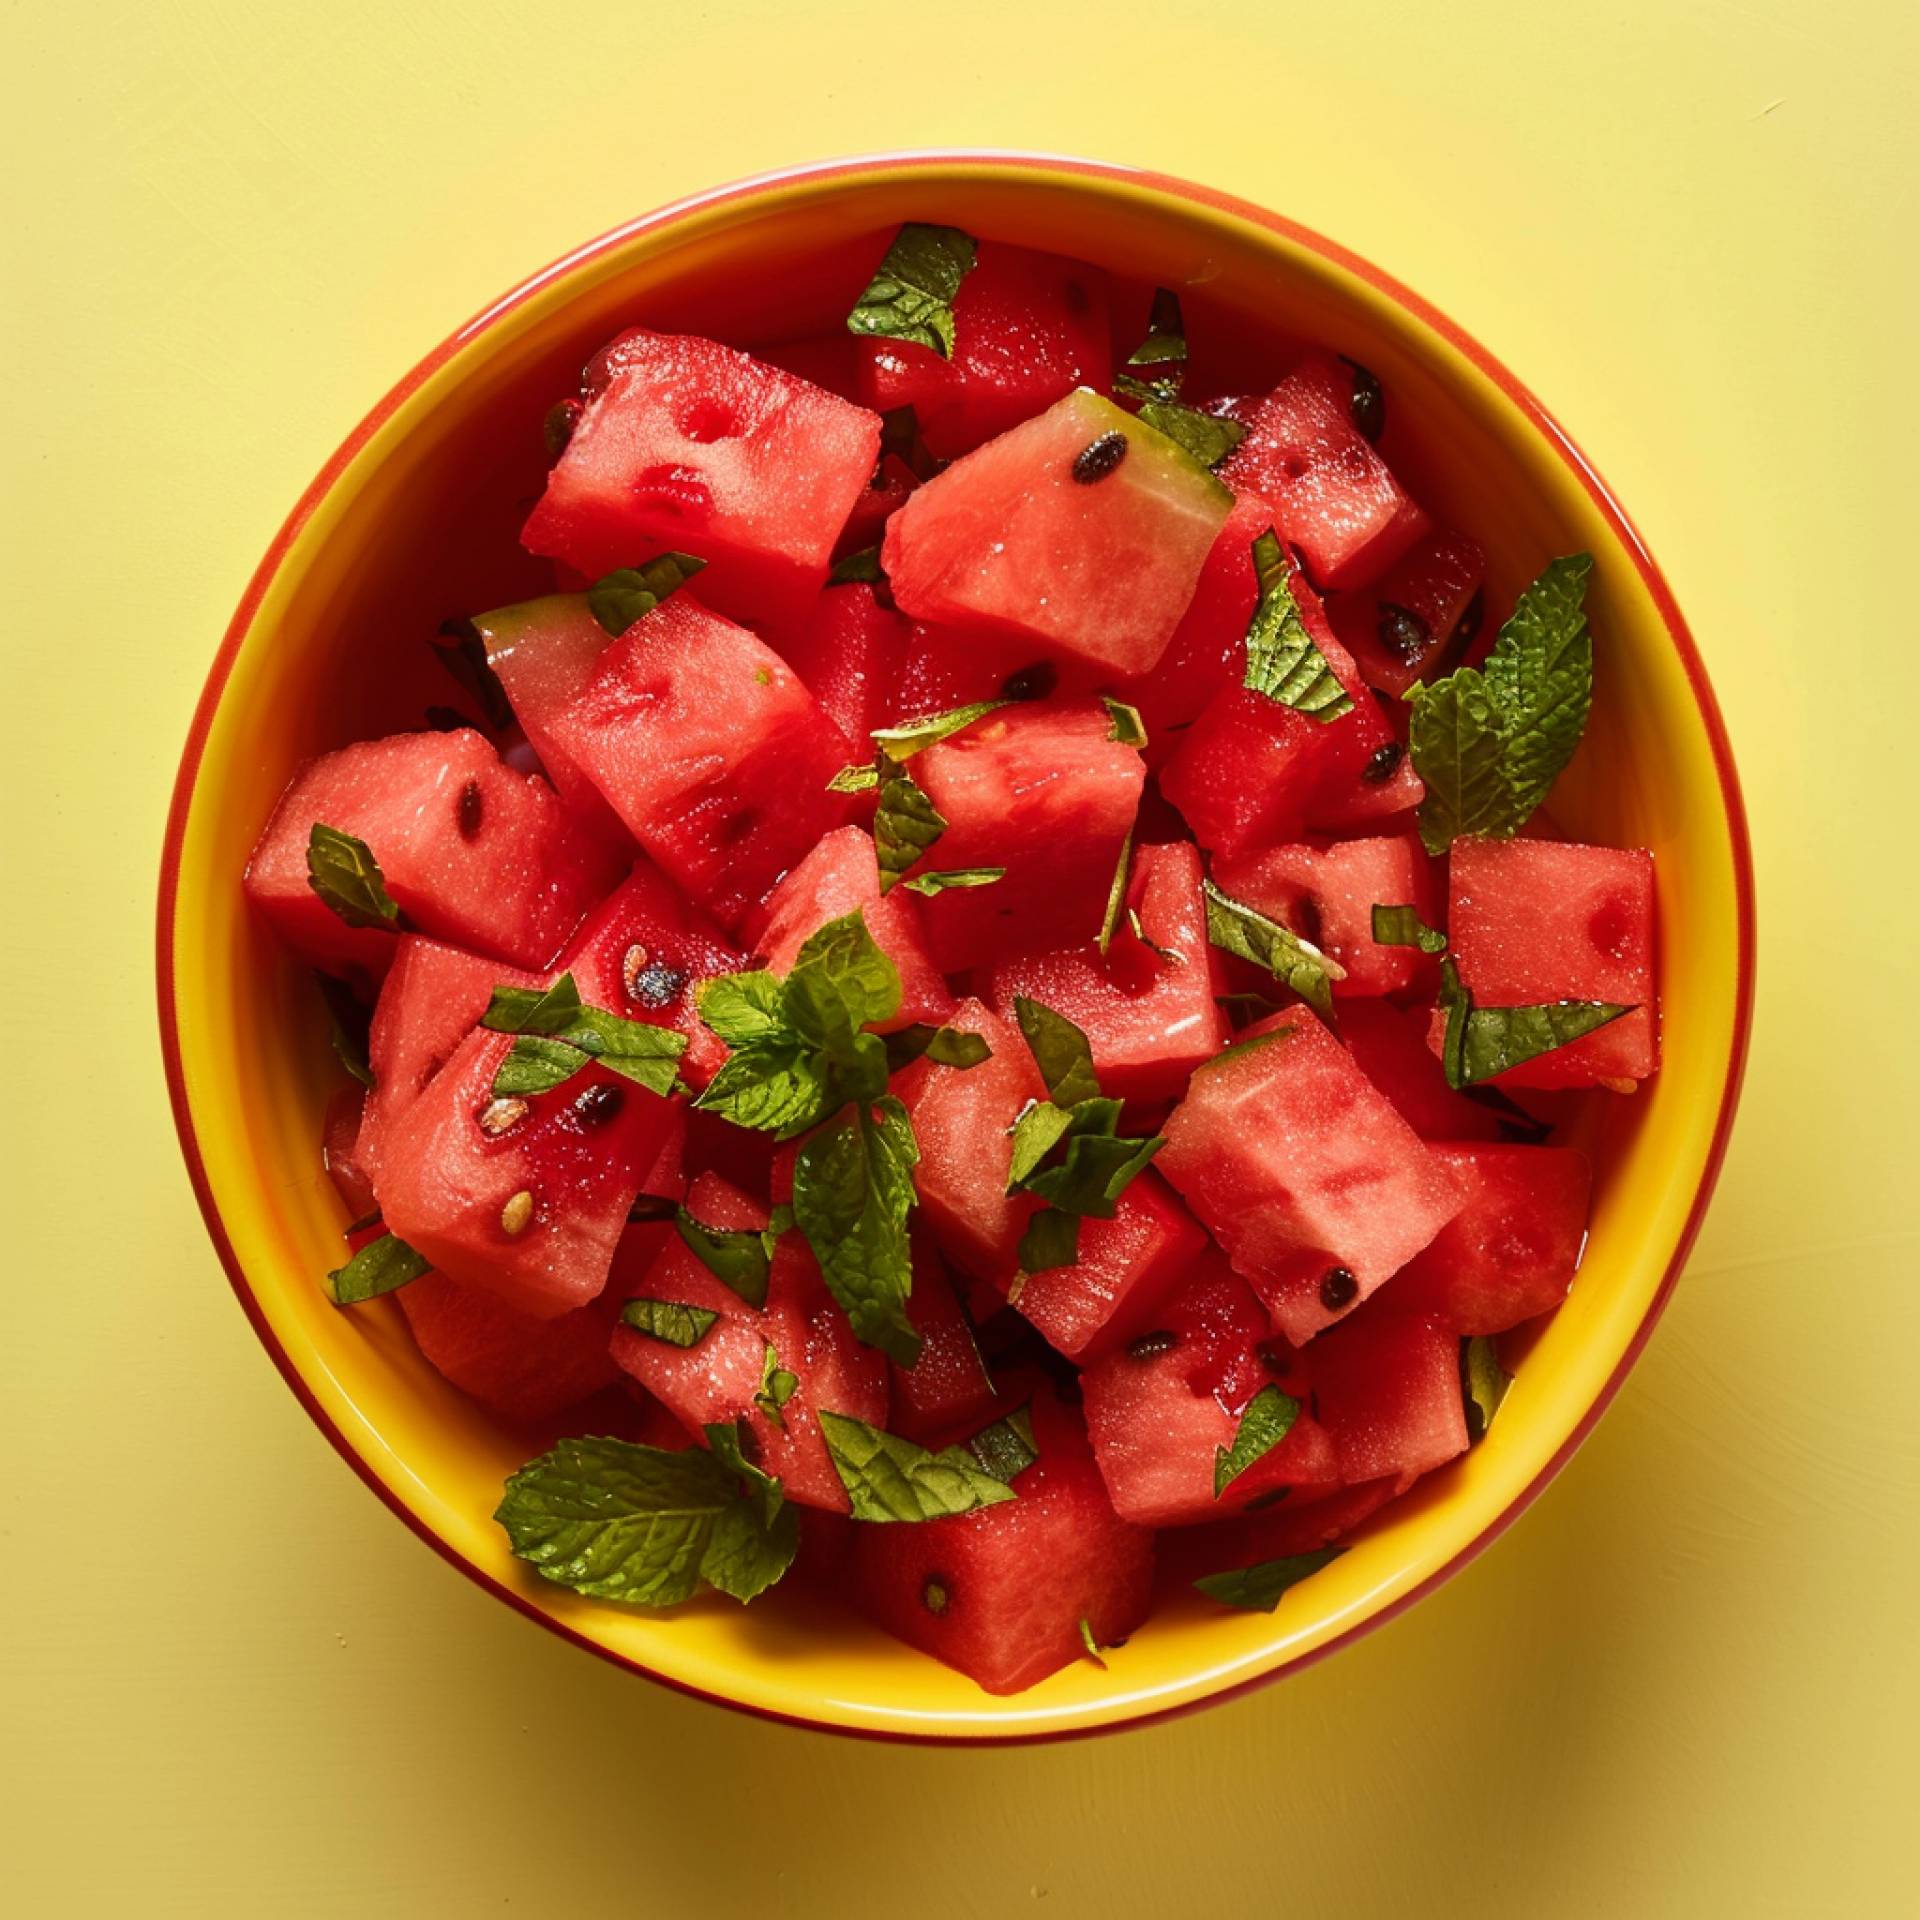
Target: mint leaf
pixel 549 1010
pixel 1483 1042
pixel 462 650
pixel 912 292
pixel 944 1046
pixel 864 565
pixel 1116 895
pixel 738 1257
pixel 1403 927
pixel 928 884
pixel 908 737
pixel 1239 929
pixel 348 1026
pixel 379 1267
pixel 1060 1050
pixel 558 1036
pixel 1282 660
pixel 841 981
pixel 1483 1383
pixel 1264 1423
pixel 1040 1128
pixel 855 780
pixel 620 598
pixel 852 1192
pixel 1204 436
pixel 1166 341
pixel 906 824
pixel 743 1009
pixel 1052 1239
pixel 346 876
pixel 1258 1588
pixel 616 1521
pixel 1489 742
pixel 776 1387
pixel 778 1085
pixel 726 1443
pixel 1097 1169
pixel 891 1479
pixel 671 1321
pixel 1006 1449
pixel 1092 1646
pixel 1124 724
pixel 1164 387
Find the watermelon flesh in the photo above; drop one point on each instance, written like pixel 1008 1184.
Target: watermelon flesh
pixel 1027 329
pixel 1032 536
pixel 947 667
pixel 1159 1410
pixel 1534 921
pixel 1000 1593
pixel 947 1385
pixel 851 651
pixel 1306 1520
pixel 1390 1044
pixel 1403 629
pixel 717 1378
pixel 686 444
pixel 342 1155
pixel 1311 1183
pixel 1513 1248
pixel 893 480
pixel 470 851
pixel 1387 1386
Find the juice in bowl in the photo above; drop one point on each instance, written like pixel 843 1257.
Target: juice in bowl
pixel 1025 1042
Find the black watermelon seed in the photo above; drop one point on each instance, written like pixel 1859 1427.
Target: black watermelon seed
pixel 1150 1346
pixel 1402 632
pixel 1338 1289
pixel 1098 459
pixel 473 809
pixel 1031 683
pixel 1276 1356
pixel 658 985
pixel 557 429
pixel 1368 407
pixel 1384 764
pixel 598 1105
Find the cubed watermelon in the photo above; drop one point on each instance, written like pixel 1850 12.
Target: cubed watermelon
pixel 1306 1520
pixel 1333 497
pixel 1404 629
pixel 1160 1409
pixel 717 1378
pixel 946 667
pixel 893 480
pixel 1081 532
pixel 1313 1185
pixel 851 651
pixel 1147 1005
pixel 1387 1385
pixel 1534 921
pixel 710 749
pixel 1002 1593
pixel 1511 1251
pixel 948 1384
pixel 1027 329
pixel 1390 1043
pixel 1043 789
pixel 687 444
pixel 470 851
pixel 342 1151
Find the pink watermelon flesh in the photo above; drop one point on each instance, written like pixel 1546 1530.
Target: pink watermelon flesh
pixel 1045 791
pixel 1160 1409
pixel 717 1378
pixel 710 749
pixel 850 651
pixel 948 1384
pixel 893 480
pixel 470 851
pixel 1511 1251
pixel 1013 539
pixel 1390 1044
pixel 1313 1185
pixel 842 875
pixel 1327 896
pixel 1534 921
pixel 1147 1005
pixel 1000 1593
pixel 1027 329
pixel 1403 629
pixel 690 445
pixel 947 667
pixel 829 360
pixel 1332 495
pixel 1389 1394
pixel 1307 1519
pixel 342 1153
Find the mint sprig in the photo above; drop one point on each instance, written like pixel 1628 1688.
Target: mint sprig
pixel 616 600
pixel 912 292
pixel 1403 927
pixel 891 1479
pixel 1258 1588
pixel 381 1266
pixel 1481 1043
pixel 1237 928
pixel 1283 662
pixel 341 869
pixel 556 1036
pixel 1265 1421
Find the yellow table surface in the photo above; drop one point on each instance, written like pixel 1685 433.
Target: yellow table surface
pixel 1684 1684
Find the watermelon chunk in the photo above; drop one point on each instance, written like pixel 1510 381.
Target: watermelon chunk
pixel 1308 1519
pixel 1327 895
pixel 470 851
pixel 1313 1185
pixel 947 1385
pixel 851 652
pixel 717 1378
pixel 1513 1248
pixel 1390 1043
pixel 710 749
pixel 1044 790
pixel 1160 1409
pixel 1388 1390
pixel 947 667
pixel 840 875
pixel 690 445
pixel 893 480
pixel 1147 1005
pixel 1405 628
pixel 1036 535
pixel 1000 1593
pixel 1333 497
pixel 1534 921
pixel 342 1154
pixel 1027 329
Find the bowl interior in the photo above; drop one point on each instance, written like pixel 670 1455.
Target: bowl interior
pixel 419 523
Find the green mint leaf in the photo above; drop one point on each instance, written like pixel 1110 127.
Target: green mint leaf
pixel 944 1046
pixel 855 780
pixel 1116 895
pixel 864 565
pixel 905 825
pixel 743 1009
pixel 776 1387
pixel 1060 1050
pixel 549 1010
pixel 908 737
pixel 1006 1449
pixel 557 1036
pixel 1204 437
pixel 627 594
pixel 671 1321
pixel 379 1267
pixel 726 1443
pixel 1092 1646
pixel 616 1521
pixel 780 1085
pixel 1282 660
pixel 840 982
pixel 1296 963
pixel 635 1049
pixel 1052 1239
pixel 928 884
pixel 1483 1383
pixel 1258 1588
pixel 1097 1170
pixel 1247 1006
pixel 1264 1423
pixel 852 1192
pixel 1039 1129
pixel 1481 1043
pixel 348 1025
pixel 463 652
pixel 891 1479
pixel 537 1063
pixel 738 1257
pixel 1124 724
pixel 1166 341
pixel 1164 388
pixel 912 292
pixel 1456 739
pixel 1403 927
pixel 346 876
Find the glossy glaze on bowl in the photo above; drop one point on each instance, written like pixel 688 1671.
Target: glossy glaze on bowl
pixel 326 647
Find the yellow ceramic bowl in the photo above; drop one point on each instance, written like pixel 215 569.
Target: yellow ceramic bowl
pixel 414 518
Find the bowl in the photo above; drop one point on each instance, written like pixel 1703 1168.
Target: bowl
pixel 321 651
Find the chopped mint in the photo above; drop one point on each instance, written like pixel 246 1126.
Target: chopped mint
pixel 929 884
pixel 671 1321
pixel 1052 1239
pixel 912 292
pixel 944 1046
pixel 776 1387
pixel 1282 660
pixel 1097 1169
pixel 1294 962
pixel 346 876
pixel 1483 1383
pixel 557 1036
pixel 348 1026
pixel 1165 387
pixel 379 1267
pixel 1403 927
pixel 888 1478
pixel 1092 1646
pixel 1006 1449
pixel 1116 894
pixel 463 652
pixel 1167 956
pixel 1166 341
pixel 1258 1588
pixel 1040 1128
pixel 1205 436
pixel 905 825
pixel 1264 1423
pixel 1060 1050
pixel 1124 724
pixel 738 1257
pixel 864 565
pixel 620 598
pixel 725 1442
pixel 902 741
pixel 1481 1043
pixel 855 779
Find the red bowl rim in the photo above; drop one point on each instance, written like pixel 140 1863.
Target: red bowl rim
pixel 997 161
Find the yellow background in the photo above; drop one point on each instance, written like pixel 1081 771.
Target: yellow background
pixel 1685 1683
